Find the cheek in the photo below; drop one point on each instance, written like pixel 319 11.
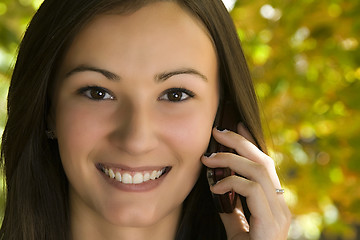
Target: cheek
pixel 78 130
pixel 188 138
pixel 190 133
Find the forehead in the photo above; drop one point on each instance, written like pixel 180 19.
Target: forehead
pixel 160 29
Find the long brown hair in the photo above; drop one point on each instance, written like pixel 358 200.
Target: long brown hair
pixel 37 188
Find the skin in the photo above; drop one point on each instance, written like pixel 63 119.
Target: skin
pixel 270 216
pixel 135 124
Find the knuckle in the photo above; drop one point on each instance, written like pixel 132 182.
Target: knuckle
pixel 228 182
pixel 259 168
pixel 233 178
pixel 267 162
pixel 254 187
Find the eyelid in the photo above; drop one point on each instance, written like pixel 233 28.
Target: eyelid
pixel 190 94
pixel 83 90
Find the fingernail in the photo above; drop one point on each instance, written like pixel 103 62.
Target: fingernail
pixel 208 155
pixel 223 130
pixel 214 186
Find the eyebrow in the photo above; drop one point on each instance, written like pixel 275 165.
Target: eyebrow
pixel 158 78
pixel 84 68
pixel 166 75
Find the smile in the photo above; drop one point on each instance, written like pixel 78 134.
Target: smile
pixel 133 177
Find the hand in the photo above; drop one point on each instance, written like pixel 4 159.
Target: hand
pixel 270 216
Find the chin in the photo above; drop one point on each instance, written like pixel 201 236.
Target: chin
pixel 139 217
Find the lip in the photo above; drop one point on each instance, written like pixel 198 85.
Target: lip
pixel 142 187
pixel 130 169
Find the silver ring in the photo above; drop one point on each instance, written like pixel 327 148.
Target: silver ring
pixel 279 190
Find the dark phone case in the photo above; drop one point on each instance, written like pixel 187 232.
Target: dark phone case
pixel 225 203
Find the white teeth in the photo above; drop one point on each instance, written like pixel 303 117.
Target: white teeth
pixel 118 176
pixel 153 175
pixel 126 178
pixel 146 177
pixel 136 178
pixel 111 173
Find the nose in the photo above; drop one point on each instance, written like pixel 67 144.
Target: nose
pixel 135 133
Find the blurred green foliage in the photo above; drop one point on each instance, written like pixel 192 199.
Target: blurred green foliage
pixel 305 59
pixel 14 18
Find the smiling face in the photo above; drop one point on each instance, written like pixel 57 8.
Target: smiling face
pixel 135 100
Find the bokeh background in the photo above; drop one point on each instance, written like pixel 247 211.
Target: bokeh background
pixel 304 56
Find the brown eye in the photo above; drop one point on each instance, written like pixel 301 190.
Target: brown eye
pixel 176 95
pixel 96 93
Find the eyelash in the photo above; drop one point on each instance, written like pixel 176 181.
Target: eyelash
pixel 86 91
pixel 166 93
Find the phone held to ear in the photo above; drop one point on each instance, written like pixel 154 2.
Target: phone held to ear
pixel 226 119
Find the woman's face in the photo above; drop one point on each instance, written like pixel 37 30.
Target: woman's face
pixel 136 96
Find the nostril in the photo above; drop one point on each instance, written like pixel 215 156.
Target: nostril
pixel 139 146
pixel 135 141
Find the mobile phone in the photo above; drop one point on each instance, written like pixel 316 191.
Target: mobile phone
pixel 226 119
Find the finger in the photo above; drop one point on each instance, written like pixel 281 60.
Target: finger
pixel 235 223
pixel 263 224
pixel 242 130
pixel 262 217
pixel 244 167
pixel 248 150
pixel 255 197
pixel 249 169
pixel 282 214
pixel 240 144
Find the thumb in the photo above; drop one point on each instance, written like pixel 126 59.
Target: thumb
pixel 235 223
